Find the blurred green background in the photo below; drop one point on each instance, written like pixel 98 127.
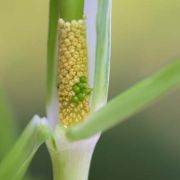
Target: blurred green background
pixel 146 36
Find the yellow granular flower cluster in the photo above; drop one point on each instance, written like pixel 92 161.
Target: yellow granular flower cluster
pixel 73 88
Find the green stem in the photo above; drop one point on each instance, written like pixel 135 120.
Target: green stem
pixel 71 9
pixel 70 160
pixel 68 167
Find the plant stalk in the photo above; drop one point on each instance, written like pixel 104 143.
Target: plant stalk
pixel 66 167
pixel 71 160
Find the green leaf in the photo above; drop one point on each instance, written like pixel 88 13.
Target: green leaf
pixel 128 103
pixel 15 164
pixel 103 51
pixel 8 130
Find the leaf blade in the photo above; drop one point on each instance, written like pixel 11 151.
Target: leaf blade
pixel 129 102
pixel 15 164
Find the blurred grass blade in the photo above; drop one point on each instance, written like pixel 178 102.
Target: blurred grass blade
pixel 15 164
pixel 103 51
pixel 8 130
pixel 130 102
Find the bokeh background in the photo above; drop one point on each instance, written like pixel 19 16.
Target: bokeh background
pixel 146 36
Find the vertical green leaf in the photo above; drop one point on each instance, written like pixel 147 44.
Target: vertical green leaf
pixel 15 164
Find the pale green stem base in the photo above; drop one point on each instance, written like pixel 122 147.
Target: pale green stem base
pixel 68 167
pixel 71 160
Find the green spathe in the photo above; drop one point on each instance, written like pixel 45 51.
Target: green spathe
pixel 71 9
